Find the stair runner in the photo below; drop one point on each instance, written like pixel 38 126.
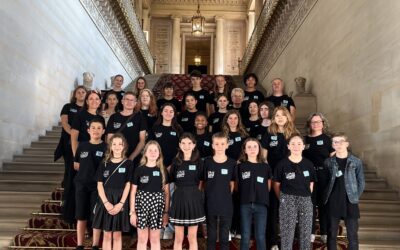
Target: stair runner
pixel 32 180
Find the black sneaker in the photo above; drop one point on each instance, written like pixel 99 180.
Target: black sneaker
pixel 95 248
pixel 80 248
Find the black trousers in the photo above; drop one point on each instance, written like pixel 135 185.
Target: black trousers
pixel 318 202
pixel 272 237
pixel 352 232
pixel 235 225
pixel 218 225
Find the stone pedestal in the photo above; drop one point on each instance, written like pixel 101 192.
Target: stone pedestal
pixel 305 105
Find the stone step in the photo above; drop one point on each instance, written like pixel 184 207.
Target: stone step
pixel 36 158
pixel 379 233
pixel 376 183
pixel 39 151
pixel 18 210
pixel 33 166
pixel 368 174
pixel 379 194
pixel 379 244
pixel 44 144
pixel 49 138
pixel 22 197
pixel 31 175
pixel 26 186
pixel 379 205
pixel 380 218
pixel 57 128
pixel 53 133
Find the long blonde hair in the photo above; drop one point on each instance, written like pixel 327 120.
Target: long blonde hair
pixel 288 129
pixel 109 152
pixel 159 162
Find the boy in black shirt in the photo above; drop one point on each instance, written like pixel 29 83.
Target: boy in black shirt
pixel 219 184
pixel 87 159
pixel 168 96
pixel 203 97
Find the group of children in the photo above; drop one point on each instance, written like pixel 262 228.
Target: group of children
pixel 229 166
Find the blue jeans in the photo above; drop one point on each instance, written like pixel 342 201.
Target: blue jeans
pixel 257 214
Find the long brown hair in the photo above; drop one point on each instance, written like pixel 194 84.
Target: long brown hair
pixel 73 98
pixel 159 162
pixel 195 154
pixel 243 156
pixel 240 128
pixel 152 104
pixel 135 88
pixel 174 123
pixel 109 152
pixel 288 129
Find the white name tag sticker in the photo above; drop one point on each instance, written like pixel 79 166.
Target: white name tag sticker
pixel 255 97
pixel 99 153
pixel 339 173
pixel 237 139
pixel 320 142
pixel 201 96
pixel 306 173
pixel 173 133
pixel 206 143
pixel 224 171
pixel 121 170
pixel 156 173
pixel 274 137
pixel 192 167
pixel 290 176
pixel 260 179
pixel 129 124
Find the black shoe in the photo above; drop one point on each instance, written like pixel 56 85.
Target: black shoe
pixel 80 248
pixel 95 248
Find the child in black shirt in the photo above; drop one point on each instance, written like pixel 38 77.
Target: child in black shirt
pixel 203 97
pixel 186 118
pixel 254 182
pixel 149 197
pixel 278 98
pixel 216 118
pixel 203 137
pixel 168 97
pixel 219 184
pixel 111 213
pixel 87 159
pixel 233 128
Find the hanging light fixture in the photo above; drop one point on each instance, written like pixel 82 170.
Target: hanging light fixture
pixel 198 22
pixel 197 60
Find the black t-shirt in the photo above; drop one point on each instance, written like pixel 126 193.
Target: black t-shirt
pixel 81 123
pixel 254 95
pixel 215 121
pixel 252 181
pixel 235 145
pixel 251 127
pixel 284 101
pixel 259 131
pixel 89 157
pixel 148 179
pixel 186 120
pixel 131 130
pixel 295 178
pixel 318 149
pixel 174 101
pixel 120 95
pixel 71 110
pixel 203 97
pixel 276 145
pixel 168 138
pixel 121 176
pixel 243 111
pixel 186 174
pixel 203 144
pixel 218 177
pixel 150 119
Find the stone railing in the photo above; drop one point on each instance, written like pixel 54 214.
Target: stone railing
pixel 117 22
pixel 277 24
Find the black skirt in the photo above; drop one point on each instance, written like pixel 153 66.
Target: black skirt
pixel 112 223
pixel 187 207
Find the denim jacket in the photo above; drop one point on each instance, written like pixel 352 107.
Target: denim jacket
pixel 353 178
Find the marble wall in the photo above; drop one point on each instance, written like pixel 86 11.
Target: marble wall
pixel 45 47
pixel 350 53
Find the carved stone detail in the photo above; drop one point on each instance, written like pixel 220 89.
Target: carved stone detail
pixel 203 2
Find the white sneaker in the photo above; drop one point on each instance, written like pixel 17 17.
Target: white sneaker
pixel 167 235
pixel 324 238
pixel 312 237
pixel 230 236
pixel 275 247
pixel 238 236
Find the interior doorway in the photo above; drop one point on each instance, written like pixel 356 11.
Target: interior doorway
pixel 198 54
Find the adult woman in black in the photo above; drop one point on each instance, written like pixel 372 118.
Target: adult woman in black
pixel 67 115
pixel 318 149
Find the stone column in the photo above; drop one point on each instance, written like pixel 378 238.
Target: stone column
pixel 219 46
pixel 250 24
pixel 258 8
pixel 139 9
pixel 176 45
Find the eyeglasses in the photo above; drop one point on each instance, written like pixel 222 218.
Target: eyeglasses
pixel 339 142
pixel 317 122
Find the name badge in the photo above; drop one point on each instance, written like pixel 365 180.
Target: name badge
pixel 84 154
pixel 274 137
pixel 339 173
pixel 121 170
pixel 173 133
pixel 320 142
pixel 144 179
pixel 206 143
pixel 260 179
pixel 255 97
pixel 156 173
pixel 106 173
pixel 224 171
pixel 237 139
pixel 290 176
pixel 216 120
pixel 185 119
pixel 158 135
pixel 192 167
pixel 285 101
pixel 210 174
pixel 99 153
pixel 306 173
pixel 117 125
pixel 201 96
pixel 129 124
pixel 73 110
